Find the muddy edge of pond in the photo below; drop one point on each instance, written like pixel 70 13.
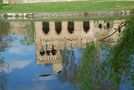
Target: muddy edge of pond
pixel 66 15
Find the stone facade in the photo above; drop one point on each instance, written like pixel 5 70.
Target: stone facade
pixel 66 15
pixel 78 38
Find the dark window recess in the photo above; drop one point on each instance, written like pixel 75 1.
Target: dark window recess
pixel 42 51
pixel 86 26
pixel 58 27
pixel 71 27
pixel 86 14
pixel 45 27
pixel 108 25
pixel 100 26
pixel 53 51
pixel 48 52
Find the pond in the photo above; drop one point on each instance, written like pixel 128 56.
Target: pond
pixel 48 55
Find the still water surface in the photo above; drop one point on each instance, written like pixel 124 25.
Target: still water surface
pixel 19 70
pixel 21 64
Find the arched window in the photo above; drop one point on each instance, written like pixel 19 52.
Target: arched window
pixel 100 26
pixel 70 27
pixel 58 27
pixel 86 26
pixel 45 27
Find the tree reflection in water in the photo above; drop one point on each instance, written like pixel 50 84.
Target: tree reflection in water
pixel 105 68
pixel 4 30
pixel 91 72
pixel 4 43
pixel 3 82
pixel 70 67
pixel 122 56
pixel 29 37
pixel 3 76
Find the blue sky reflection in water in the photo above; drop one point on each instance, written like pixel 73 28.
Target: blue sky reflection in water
pixel 19 71
pixel 22 70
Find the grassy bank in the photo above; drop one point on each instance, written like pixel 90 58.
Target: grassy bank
pixel 68 6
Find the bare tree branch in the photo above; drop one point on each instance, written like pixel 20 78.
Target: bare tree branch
pixel 116 30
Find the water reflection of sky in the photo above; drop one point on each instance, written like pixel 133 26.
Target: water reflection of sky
pixel 23 72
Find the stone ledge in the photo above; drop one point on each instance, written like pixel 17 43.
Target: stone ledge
pixel 66 15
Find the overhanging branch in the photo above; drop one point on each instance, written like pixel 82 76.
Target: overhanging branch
pixel 116 30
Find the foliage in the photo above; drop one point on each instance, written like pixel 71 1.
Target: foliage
pixel 104 68
pixel 88 68
pixel 122 54
pixel 4 31
pixel 1 4
pixel 4 28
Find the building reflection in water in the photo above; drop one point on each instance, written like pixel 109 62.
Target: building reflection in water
pixel 19 28
pixel 58 42
pixel 53 38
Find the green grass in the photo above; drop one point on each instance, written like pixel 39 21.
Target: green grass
pixel 69 6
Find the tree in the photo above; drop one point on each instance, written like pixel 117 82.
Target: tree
pixel 122 56
pixel 1 4
pixel 117 66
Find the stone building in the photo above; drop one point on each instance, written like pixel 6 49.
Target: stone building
pixel 52 37
pixel 32 1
